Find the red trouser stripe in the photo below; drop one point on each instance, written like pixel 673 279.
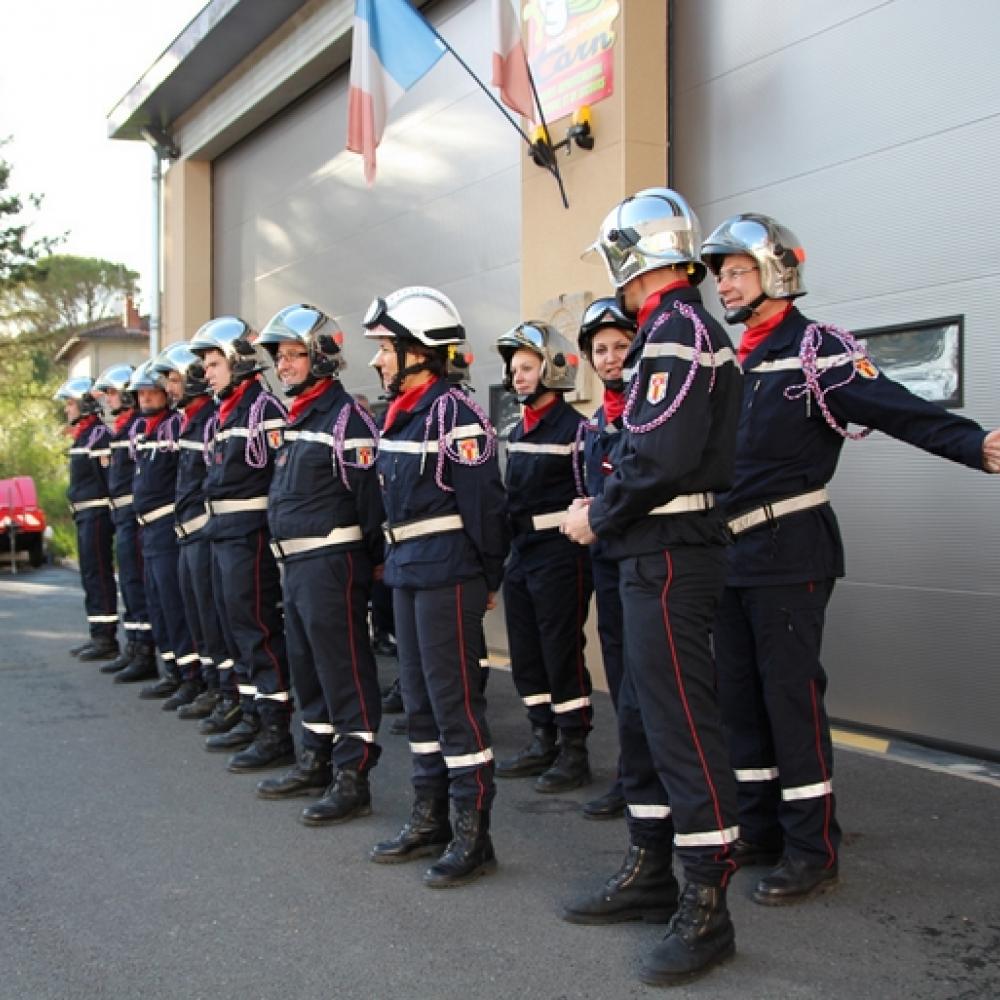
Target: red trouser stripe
pixel 466 691
pixel 349 597
pixel 827 799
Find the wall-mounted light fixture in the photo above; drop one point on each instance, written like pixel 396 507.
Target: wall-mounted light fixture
pixel 543 150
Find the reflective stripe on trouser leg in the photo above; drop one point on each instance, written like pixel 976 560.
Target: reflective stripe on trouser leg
pixel 330 593
pixel 527 664
pixel 251 592
pixel 130 579
pixel 234 675
pixel 447 622
pixel 669 601
pixel 198 593
pixel 648 814
pixel 100 595
pixel 787 626
pixel 159 545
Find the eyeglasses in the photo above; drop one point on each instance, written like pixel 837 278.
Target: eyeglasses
pixel 290 356
pixel 734 273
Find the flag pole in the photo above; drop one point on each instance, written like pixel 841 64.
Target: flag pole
pixel 552 167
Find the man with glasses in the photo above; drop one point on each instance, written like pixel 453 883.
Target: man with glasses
pixel 325 517
pixel 804 382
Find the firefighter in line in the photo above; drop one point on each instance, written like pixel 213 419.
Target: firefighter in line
pixel 184 376
pixel 658 517
pixel 804 383
pixel 137 661
pixel 325 516
pixel 604 338
pixel 245 578
pixel 547 581
pixel 154 488
pixel 89 459
pixel 446 528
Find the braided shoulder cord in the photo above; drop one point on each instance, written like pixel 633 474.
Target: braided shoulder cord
pixel 340 463
pixel 133 433
pixel 256 449
pixel 208 436
pixel 448 405
pixel 97 432
pixel 582 428
pixel 809 355
pixel 702 342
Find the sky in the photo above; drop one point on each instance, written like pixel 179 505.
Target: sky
pixel 64 64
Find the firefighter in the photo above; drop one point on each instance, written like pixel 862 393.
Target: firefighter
pixel 657 516
pixel 446 528
pixel 804 382
pixel 184 375
pixel 325 515
pixel 138 660
pixel 247 588
pixel 604 339
pixel 89 460
pixel 547 581
pixel 154 488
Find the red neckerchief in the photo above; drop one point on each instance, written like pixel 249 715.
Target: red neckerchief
pixel 122 419
pixel 154 421
pixel 406 401
pixel 227 406
pixel 83 426
pixel 652 303
pixel 192 409
pixel 300 402
pixel 533 415
pixel 754 336
pixel 614 405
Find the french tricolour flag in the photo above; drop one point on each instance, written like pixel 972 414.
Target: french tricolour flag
pixel 393 47
pixel 510 64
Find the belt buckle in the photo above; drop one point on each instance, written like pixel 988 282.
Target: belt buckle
pixel 390 535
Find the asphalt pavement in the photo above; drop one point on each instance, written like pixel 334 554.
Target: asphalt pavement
pixel 133 865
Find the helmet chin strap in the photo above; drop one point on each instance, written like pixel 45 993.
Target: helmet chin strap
pixel 743 313
pixel 300 387
pixel 620 301
pixel 395 387
pixel 614 384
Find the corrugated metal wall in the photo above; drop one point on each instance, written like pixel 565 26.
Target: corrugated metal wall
pixel 293 220
pixel 873 130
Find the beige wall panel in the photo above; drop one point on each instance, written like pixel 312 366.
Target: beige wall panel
pixel 187 249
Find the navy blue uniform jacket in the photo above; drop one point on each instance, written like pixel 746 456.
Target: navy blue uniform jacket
pixel 406 468
pixel 785 447
pixel 230 477
pixel 308 498
pixel 191 465
pixel 692 452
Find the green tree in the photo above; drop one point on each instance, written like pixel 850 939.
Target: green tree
pixel 18 255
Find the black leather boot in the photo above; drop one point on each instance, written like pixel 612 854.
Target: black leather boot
pixel 347 797
pixel 793 881
pixel 699 937
pixel 746 854
pixel 142 667
pixel 273 747
pixel 644 888
pixel 310 773
pixel 427 831
pixel 238 736
pixel 392 700
pixel 184 695
pixel 77 650
pixel 101 648
pixel 536 757
pixel 611 805
pixel 469 855
pixel 225 716
pixel 168 683
pixel 572 766
pixel 121 661
pixel 202 707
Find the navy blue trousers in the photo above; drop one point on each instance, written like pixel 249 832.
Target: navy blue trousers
pixel 330 655
pixel 771 688
pixel 194 572
pixel 546 597
pixel 163 598
pixel 674 760
pixel 100 597
pixel 439 636
pixel 131 583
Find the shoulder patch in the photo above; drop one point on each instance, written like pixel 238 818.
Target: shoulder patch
pixel 274 438
pixel 865 368
pixel 656 391
pixel 469 449
pixel 366 456
pixel 105 460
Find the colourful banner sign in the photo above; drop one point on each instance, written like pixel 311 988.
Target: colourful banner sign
pixel 571 52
